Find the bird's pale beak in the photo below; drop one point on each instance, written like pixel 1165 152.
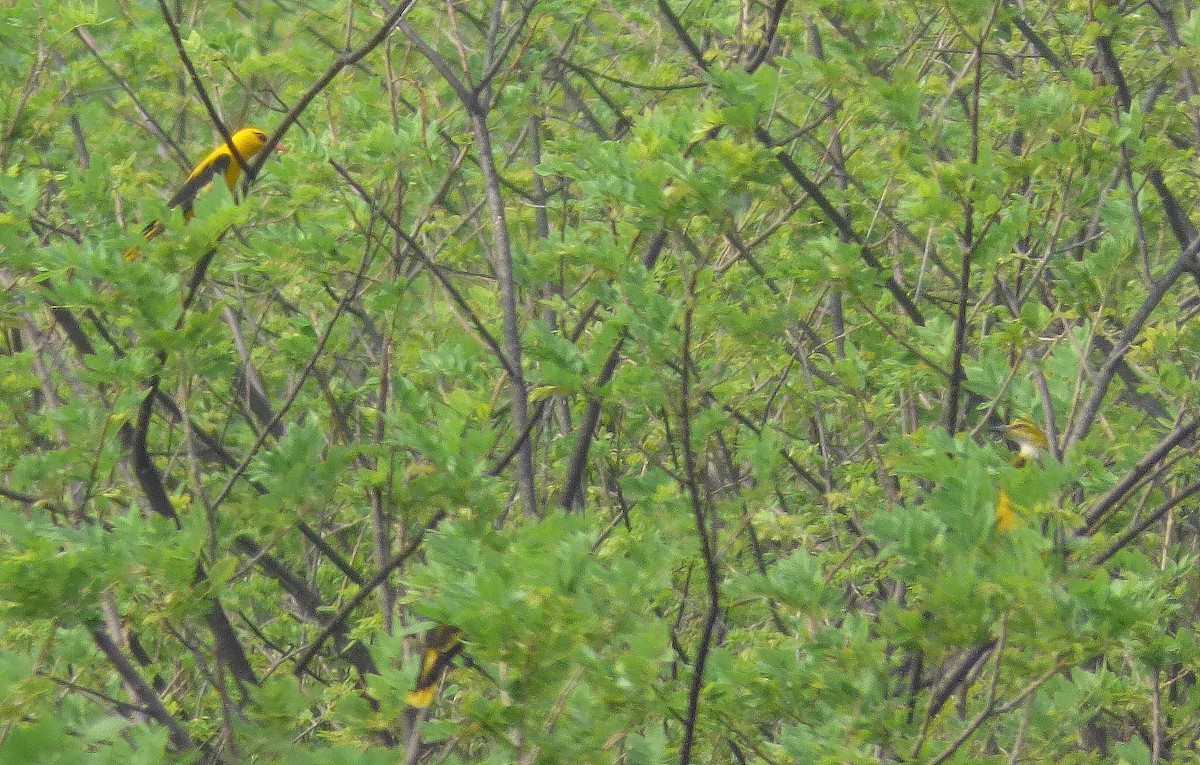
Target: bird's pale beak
pixel 280 148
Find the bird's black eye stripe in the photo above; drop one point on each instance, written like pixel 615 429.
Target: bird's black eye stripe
pixel 260 135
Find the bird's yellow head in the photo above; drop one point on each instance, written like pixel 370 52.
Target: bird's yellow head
pixel 249 141
pixel 1030 439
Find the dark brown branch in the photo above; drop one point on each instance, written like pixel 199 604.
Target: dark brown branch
pixel 708 544
pixel 1151 518
pixel 199 85
pixel 959 348
pixel 1101 507
pixel 158 130
pixel 340 63
pixel 572 496
pixel 814 192
pixel 299 384
pixel 145 695
pixel 501 260
pixel 1091 407
pixel 361 596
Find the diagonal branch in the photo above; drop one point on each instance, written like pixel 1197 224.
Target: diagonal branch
pixel 502 262
pixel 340 63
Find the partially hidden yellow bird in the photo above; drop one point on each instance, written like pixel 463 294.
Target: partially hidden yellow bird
pixel 248 142
pixel 441 644
pixel 1031 442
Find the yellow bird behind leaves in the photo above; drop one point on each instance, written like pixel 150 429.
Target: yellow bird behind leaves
pixel 248 142
pixel 1031 442
pixel 442 644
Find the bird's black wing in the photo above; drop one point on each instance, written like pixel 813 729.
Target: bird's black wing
pixel 200 177
pixel 442 645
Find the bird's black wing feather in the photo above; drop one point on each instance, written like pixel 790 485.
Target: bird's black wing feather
pixel 201 178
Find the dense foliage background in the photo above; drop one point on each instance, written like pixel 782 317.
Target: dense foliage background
pixel 657 346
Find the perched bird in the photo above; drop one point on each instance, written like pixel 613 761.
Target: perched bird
pixel 441 645
pixel 1031 442
pixel 248 142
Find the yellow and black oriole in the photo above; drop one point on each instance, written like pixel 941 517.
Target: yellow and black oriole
pixel 441 645
pixel 248 142
pixel 1031 442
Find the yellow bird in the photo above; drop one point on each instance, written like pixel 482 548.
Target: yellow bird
pixel 442 644
pixel 248 142
pixel 1031 442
